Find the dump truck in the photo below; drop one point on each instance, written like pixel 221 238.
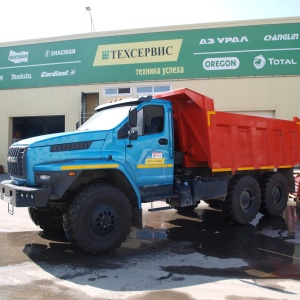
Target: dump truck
pixel 172 146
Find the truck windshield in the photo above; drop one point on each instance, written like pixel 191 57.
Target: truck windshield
pixel 106 119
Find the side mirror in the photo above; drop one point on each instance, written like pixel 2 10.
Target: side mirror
pixel 133 117
pixel 133 135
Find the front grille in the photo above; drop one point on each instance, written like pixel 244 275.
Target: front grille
pixel 16 161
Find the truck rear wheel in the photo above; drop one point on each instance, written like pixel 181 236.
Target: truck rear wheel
pixel 214 203
pixel 99 219
pixel 274 194
pixel 242 202
pixel 47 218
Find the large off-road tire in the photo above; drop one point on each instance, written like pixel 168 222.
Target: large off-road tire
pixel 242 202
pixel 214 203
pixel 47 218
pixel 274 194
pixel 99 219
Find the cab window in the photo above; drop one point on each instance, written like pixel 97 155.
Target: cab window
pixel 150 120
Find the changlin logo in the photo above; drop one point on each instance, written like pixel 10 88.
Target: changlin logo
pixel 259 62
pixel 18 57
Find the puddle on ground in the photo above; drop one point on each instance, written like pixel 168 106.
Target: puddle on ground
pixel 269 247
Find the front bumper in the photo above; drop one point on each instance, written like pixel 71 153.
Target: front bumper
pixel 22 196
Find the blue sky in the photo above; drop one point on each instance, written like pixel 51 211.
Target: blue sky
pixel 33 19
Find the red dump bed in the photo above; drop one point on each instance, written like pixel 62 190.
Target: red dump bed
pixel 228 141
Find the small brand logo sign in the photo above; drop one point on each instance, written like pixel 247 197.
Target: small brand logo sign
pixel 221 63
pixel 21 76
pixel 259 62
pixel 18 57
pixel 49 53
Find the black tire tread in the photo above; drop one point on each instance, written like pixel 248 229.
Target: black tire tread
pixel 229 208
pixel 264 183
pixel 70 216
pixel 47 221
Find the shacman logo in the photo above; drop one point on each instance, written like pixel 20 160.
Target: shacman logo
pixel 49 53
pixel 18 57
pixel 137 53
pixel 259 62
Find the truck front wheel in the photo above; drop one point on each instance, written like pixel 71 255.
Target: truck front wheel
pixel 48 218
pixel 274 194
pixel 242 202
pixel 99 219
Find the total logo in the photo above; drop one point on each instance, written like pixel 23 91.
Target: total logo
pixel 260 61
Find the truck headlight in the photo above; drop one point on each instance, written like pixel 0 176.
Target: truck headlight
pixel 44 177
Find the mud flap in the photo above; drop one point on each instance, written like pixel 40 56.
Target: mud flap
pixel 137 220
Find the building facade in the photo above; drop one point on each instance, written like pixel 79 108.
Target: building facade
pixel 50 85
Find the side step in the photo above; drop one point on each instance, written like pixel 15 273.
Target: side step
pixel 159 208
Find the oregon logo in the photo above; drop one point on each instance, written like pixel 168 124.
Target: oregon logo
pixel 259 62
pixel 137 53
pixel 221 63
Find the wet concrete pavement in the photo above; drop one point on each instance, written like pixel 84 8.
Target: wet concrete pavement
pixel 197 255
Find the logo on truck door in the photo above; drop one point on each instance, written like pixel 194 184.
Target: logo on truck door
pixel 157 158
pixel 157 155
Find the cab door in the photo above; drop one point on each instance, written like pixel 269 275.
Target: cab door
pixel 150 156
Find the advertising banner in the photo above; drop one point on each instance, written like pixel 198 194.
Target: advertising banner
pixel 260 50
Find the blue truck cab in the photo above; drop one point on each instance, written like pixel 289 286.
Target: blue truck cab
pixel 107 143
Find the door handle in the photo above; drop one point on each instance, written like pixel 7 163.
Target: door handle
pixel 163 141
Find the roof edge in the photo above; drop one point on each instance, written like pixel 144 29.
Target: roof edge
pixel 154 29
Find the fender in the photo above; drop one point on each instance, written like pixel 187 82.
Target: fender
pixel 47 174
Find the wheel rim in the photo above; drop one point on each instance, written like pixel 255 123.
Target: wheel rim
pixel 276 195
pixel 103 220
pixel 246 200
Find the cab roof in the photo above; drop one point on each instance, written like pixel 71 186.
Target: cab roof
pixel 124 102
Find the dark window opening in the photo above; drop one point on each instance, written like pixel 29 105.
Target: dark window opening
pixel 26 127
pixel 123 90
pixel 110 91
